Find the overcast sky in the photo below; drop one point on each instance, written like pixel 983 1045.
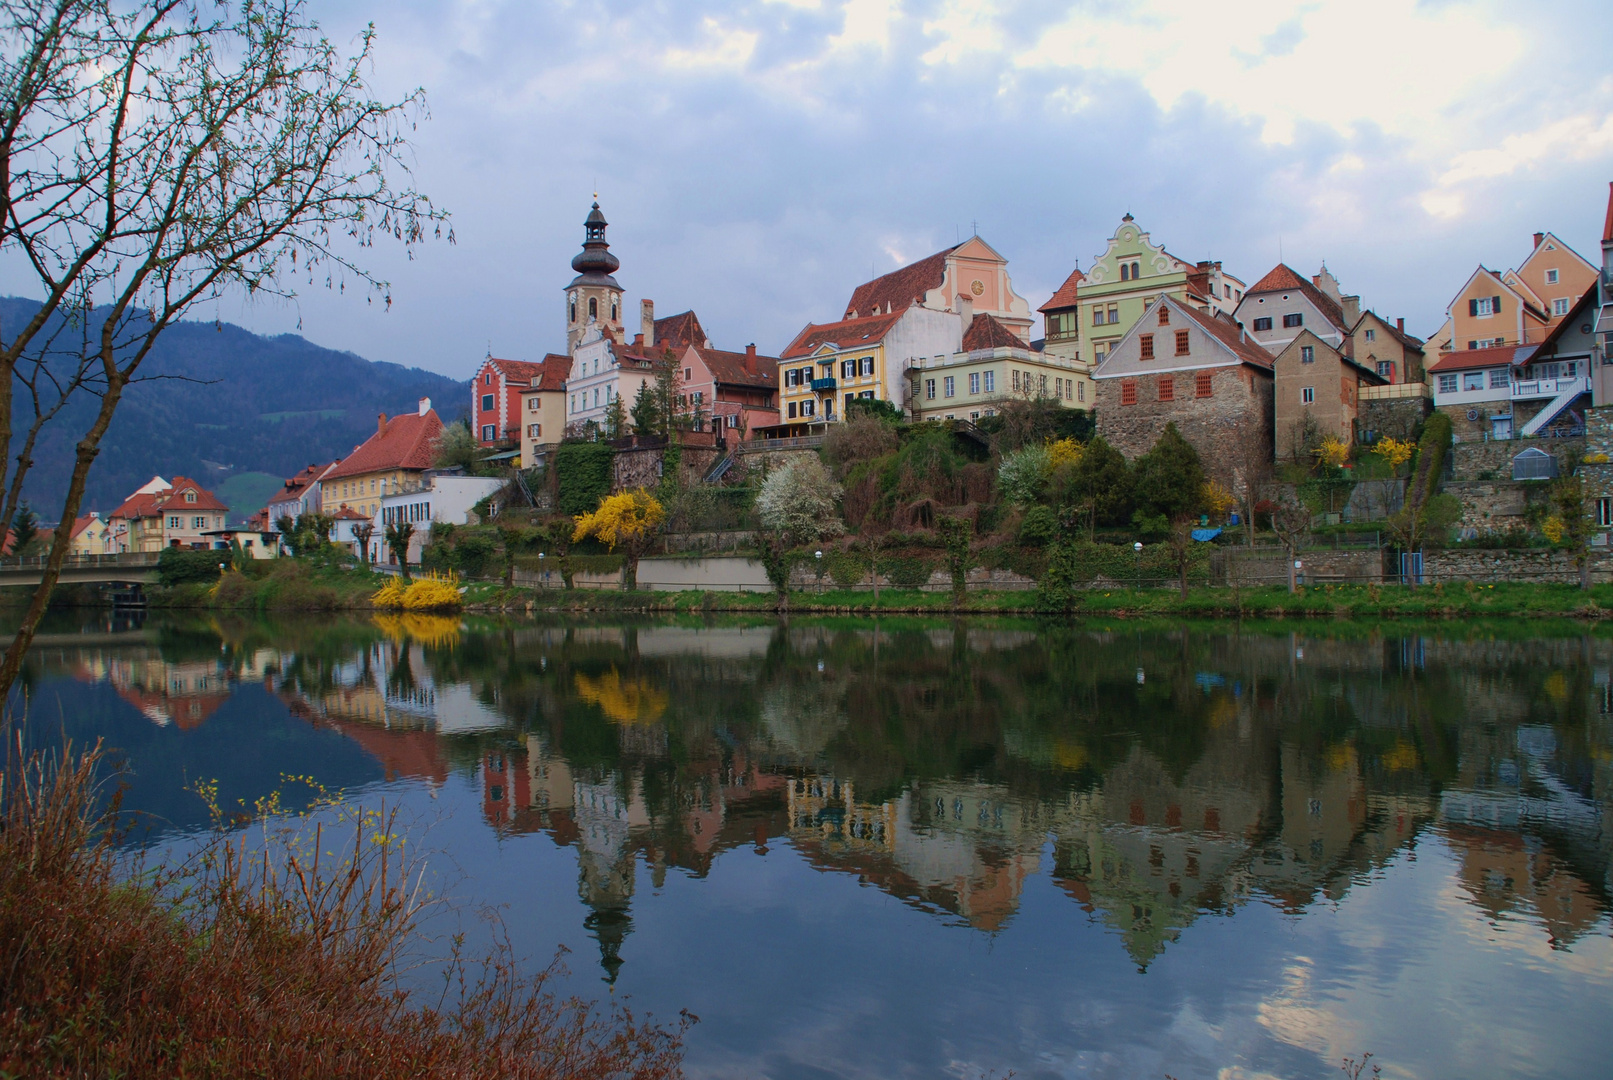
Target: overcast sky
pixel 757 159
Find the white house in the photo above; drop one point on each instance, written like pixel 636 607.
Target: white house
pixel 445 498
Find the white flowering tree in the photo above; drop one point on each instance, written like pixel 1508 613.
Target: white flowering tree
pixel 797 504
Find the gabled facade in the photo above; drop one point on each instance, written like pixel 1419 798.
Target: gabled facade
pixel 604 369
pixel 991 368
pixel 1387 350
pixel 734 392
pixel 1553 277
pixel 1281 306
pixel 1487 313
pixel 393 460
pixel 1198 370
pixel 829 364
pixel 1316 390
pixel 495 400
pixel 163 514
pixel 543 409
pixel 299 494
pixel 970 275
pixel 1126 278
pixel 89 535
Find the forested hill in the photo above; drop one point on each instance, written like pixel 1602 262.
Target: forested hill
pixel 236 411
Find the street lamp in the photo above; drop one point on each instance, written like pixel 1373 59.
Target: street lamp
pixel 1137 564
pixel 543 574
pixel 818 555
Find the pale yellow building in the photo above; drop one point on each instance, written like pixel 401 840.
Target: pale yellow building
pixel 993 367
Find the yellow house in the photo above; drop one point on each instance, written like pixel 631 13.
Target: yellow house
pixel 89 535
pixel 992 368
pixel 543 409
pixel 392 461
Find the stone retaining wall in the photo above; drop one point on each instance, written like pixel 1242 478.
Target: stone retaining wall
pixel 1530 567
pixel 1396 418
pixel 1269 566
pixel 1492 460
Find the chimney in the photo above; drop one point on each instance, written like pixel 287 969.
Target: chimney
pixel 638 340
pixel 380 424
pixel 646 318
pixel 966 308
pixel 1539 236
pixel 1400 325
pixel 425 405
pixel 1352 310
pixel 750 351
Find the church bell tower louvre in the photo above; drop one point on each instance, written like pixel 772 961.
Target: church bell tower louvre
pixel 593 295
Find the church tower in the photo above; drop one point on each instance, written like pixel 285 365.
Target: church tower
pixel 593 296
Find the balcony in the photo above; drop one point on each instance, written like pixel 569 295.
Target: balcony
pixel 819 385
pixel 1549 388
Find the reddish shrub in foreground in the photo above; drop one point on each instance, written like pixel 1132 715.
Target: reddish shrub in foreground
pixel 265 964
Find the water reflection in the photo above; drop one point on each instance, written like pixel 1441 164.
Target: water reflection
pixel 1151 780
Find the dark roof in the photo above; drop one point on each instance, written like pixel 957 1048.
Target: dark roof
pixel 1406 340
pixel 847 332
pixel 1224 330
pixel 985 332
pixel 681 330
pixel 517 372
pixel 403 442
pixel 1548 347
pixel 1065 296
pixel 1283 278
pixel 740 369
pixel 1495 356
pixel 900 289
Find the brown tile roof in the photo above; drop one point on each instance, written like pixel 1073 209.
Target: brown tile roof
pixel 900 289
pixel 740 369
pixel 1283 278
pixel 847 332
pixel 1495 356
pixel 553 371
pixel 1224 330
pixel 146 504
pixel 1065 297
pixel 985 332
pixel 677 331
pixel 294 486
pixel 403 442
pixel 518 372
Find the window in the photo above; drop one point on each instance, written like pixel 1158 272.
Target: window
pixel 1167 388
pixel 1041 386
pixel 573 402
pixel 866 365
pixel 929 389
pixel 1125 272
pixel 1551 277
pixel 1181 343
pixel 1136 271
pixel 596 397
pixel 1499 379
pixel 1372 335
pixel 809 408
pixel 848 368
pixel 1164 315
pixel 1307 395
pixel 1080 391
pixel 792 410
pixel 190 496
pixel 1484 306
pixel 1307 354
pixel 974 382
pixel 1262 324
pixel 991 382
pixel 1202 386
pixel 1097 316
pixel 866 394
pixel 1114 314
pixel 948 386
pixel 487 402
pixel 1145 346
pixel 1559 306
pixel 593 307
pixel 1128 391
pixel 489 432
pixel 574 311
pixel 1386 368
pixel 688 373
pixel 534 431
pixel 1292 320
pixel 487 379
pixel 1473 380
pixel 1604 512
pixel 534 403
pixel 1016 380
pixel 173 521
pixel 699 396
pixel 1447 384
pixel 849 399
pixel 198 523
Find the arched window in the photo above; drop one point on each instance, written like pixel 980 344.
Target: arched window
pixel 574 311
pixel 1125 272
pixel 593 307
pixel 1136 271
pixel 613 311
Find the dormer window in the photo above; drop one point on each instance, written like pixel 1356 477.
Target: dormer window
pixel 190 496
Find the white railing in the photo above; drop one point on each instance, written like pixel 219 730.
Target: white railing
pixel 1550 387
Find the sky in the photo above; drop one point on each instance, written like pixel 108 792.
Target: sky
pixel 757 159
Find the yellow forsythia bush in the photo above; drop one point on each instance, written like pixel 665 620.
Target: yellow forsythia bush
pixel 389 597
pixel 434 593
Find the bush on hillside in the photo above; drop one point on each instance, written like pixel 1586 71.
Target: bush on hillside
pixel 583 472
pixel 181 566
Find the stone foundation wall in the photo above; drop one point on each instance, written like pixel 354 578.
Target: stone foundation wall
pixel 1530 567
pixel 1396 418
pixel 1492 460
pixel 1495 506
pixel 640 466
pixel 1221 427
pixel 1269 566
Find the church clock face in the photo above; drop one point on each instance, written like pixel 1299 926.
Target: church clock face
pixel 977 287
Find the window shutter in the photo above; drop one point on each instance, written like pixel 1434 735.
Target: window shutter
pixel 1473 307
pixel 1495 305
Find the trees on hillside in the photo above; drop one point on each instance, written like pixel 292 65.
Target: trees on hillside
pixel 160 153
pixel 797 504
pixel 624 522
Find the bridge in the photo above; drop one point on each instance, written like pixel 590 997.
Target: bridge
pixel 129 568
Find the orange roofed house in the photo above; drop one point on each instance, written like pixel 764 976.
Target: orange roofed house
pixel 163 514
pixel 392 461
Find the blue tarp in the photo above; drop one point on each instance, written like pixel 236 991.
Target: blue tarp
pixel 1206 534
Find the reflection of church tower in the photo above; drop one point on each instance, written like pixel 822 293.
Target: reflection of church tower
pixel 593 296
pixel 607 889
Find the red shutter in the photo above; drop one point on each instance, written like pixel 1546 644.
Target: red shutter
pixel 1128 391
pixel 1145 343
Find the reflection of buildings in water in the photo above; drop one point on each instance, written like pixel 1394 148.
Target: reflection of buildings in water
pixel 1505 872
pixel 390 684
pixel 183 693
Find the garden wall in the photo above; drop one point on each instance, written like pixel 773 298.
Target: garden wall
pixel 1492 460
pixel 1530 567
pixel 1269 566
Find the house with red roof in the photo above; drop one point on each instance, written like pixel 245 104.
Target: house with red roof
pixel 89 535
pixel 298 495
pixel 392 461
pixel 1061 318
pixel 1194 368
pixel 543 409
pixel 163 514
pixel 495 400
pixel 734 392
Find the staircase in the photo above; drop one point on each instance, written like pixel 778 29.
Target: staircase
pixel 1554 407
pixel 715 474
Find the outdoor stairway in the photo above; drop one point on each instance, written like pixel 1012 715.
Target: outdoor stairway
pixel 718 471
pixel 1553 408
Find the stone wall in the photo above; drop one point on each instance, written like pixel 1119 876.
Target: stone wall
pixel 637 463
pixel 1397 418
pixel 1531 567
pixel 1492 459
pixel 1269 566
pixel 1494 505
pixel 1222 427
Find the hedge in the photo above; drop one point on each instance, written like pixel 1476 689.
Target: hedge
pixel 179 566
pixel 583 471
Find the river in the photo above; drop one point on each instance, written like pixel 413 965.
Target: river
pixel 927 848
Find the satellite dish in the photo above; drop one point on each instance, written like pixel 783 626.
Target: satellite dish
pixel 1472 414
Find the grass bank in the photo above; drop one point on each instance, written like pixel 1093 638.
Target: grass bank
pixel 1502 600
pixel 257 959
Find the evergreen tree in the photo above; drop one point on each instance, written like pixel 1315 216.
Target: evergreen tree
pixel 646 418
pixel 1168 481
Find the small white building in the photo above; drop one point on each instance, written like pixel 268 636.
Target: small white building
pixel 445 498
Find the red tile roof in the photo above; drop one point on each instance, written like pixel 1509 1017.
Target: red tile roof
pixel 517 372
pixel 843 334
pixel 294 486
pixel 985 332
pixel 680 331
pixel 900 289
pixel 146 504
pixel 347 513
pixel 740 369
pixel 1224 330
pixel 1065 297
pixel 553 371
pixel 1283 278
pixel 403 442
pixel 82 523
pixel 1495 356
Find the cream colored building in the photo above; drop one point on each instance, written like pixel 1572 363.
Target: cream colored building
pixel 991 368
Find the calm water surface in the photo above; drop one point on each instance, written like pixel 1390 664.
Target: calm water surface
pixel 949 849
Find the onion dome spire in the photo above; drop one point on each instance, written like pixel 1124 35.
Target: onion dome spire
pixel 595 262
